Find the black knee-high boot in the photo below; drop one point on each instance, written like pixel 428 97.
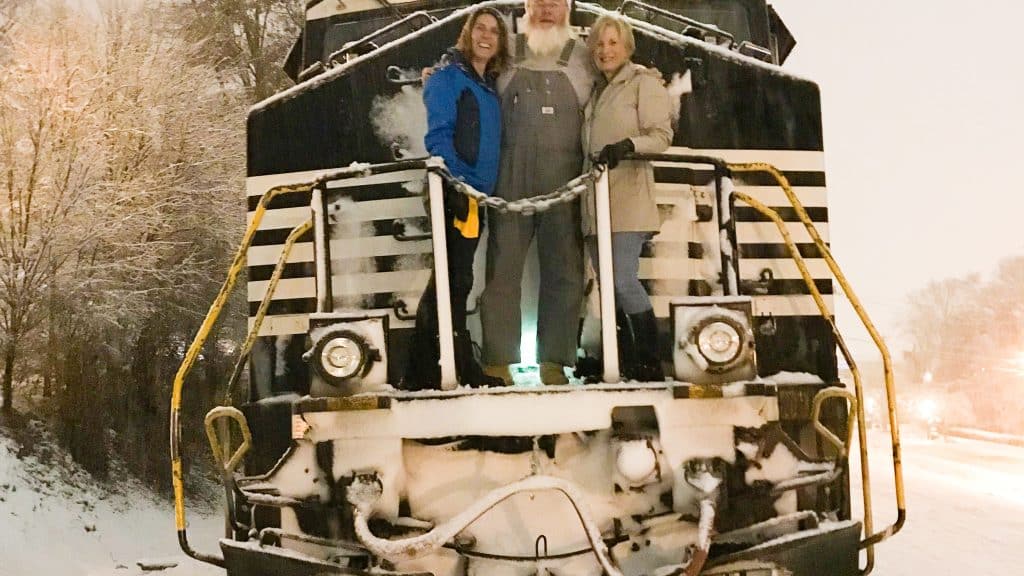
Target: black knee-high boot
pixel 645 337
pixel 627 345
pixel 422 371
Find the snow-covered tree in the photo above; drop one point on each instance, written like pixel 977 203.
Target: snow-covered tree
pixel 942 319
pixel 48 143
pixel 246 40
pixel 1007 296
pixel 120 205
pixel 968 334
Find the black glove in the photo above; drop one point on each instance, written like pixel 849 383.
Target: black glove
pixel 456 204
pixel 612 154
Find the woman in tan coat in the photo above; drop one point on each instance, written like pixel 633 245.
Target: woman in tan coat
pixel 629 112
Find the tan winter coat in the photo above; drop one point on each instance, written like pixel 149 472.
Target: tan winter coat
pixel 634 104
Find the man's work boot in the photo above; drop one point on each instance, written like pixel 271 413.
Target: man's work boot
pixel 501 372
pixel 552 374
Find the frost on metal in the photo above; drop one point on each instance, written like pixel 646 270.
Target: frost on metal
pixel 672 38
pixel 823 528
pixel 401 120
pixel 337 71
pixel 780 378
pixel 477 499
pixel 679 84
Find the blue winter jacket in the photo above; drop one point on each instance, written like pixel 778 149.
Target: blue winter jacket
pixel 464 121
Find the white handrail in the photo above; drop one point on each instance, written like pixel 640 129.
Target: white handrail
pixel 443 292
pixel 606 281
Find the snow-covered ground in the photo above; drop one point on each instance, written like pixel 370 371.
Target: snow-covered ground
pixel 965 507
pixel 54 519
pixel 965 501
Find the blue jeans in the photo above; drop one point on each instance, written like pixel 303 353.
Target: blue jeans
pixel 630 295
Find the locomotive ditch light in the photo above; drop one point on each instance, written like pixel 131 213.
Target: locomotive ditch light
pixel 341 356
pixel 719 341
pixel 348 353
pixel 714 339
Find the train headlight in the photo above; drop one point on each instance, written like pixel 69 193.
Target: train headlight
pixel 348 353
pixel 719 342
pixel 342 356
pixel 636 461
pixel 714 341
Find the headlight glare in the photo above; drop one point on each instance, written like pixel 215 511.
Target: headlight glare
pixel 636 461
pixel 719 342
pixel 341 357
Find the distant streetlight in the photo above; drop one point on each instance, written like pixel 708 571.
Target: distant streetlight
pixel 1018 362
pixel 928 377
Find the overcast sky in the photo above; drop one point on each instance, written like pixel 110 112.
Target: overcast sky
pixel 923 126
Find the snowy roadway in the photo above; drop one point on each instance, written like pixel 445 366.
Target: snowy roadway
pixel 965 501
pixel 965 507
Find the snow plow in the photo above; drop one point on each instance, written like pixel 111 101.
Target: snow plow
pixel 736 463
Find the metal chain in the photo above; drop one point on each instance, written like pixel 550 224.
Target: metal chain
pixel 528 206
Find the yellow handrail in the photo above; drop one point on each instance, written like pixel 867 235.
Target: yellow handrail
pixel 841 343
pixel 192 354
pixel 239 261
pixel 871 537
pixel 226 462
pixel 842 445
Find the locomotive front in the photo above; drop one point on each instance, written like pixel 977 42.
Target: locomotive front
pixel 735 464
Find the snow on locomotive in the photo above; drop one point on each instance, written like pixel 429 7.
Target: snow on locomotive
pixel 735 464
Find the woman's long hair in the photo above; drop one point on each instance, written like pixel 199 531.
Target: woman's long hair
pixel 501 58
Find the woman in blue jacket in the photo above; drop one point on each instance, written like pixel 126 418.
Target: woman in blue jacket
pixel 463 128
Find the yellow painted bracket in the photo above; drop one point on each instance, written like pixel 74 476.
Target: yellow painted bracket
pixel 841 445
pixel 227 464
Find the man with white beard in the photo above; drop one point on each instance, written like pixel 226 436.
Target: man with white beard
pixel 543 96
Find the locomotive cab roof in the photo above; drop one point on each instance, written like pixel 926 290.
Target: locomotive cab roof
pixel 752 27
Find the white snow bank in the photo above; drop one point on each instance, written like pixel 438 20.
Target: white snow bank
pixel 978 434
pixel 56 519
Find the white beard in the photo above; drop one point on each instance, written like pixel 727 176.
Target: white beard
pixel 546 42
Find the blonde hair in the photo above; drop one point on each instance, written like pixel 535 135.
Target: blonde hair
pixel 621 26
pixel 464 44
